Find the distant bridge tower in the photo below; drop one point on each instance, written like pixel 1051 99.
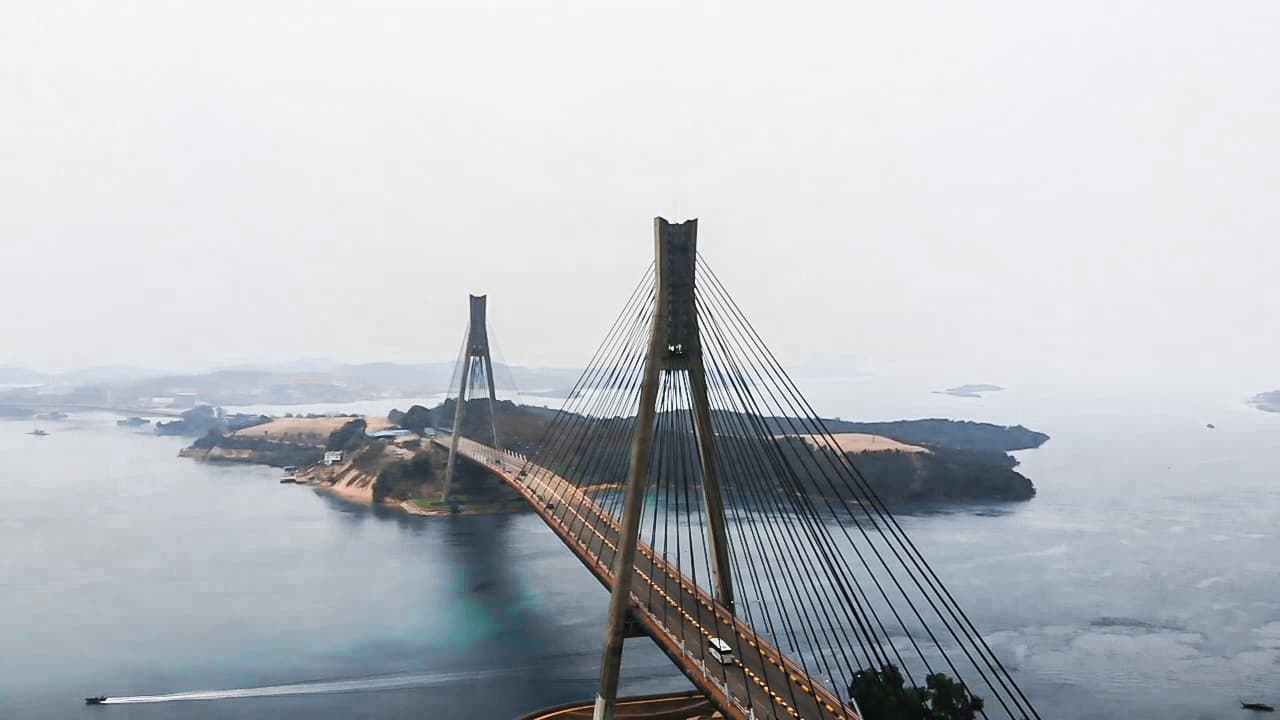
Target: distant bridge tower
pixel 476 361
pixel 675 346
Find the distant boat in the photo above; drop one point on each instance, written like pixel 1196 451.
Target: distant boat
pixel 1260 707
pixel 133 422
pixel 95 700
pixel 38 432
pixel 1209 425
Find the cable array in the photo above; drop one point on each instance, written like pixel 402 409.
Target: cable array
pixel 826 582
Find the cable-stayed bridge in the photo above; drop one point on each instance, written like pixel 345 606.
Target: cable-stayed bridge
pixel 691 477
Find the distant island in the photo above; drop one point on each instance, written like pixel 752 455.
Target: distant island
pixel 1268 401
pixel 969 391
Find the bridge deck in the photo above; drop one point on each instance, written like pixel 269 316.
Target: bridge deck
pixel 760 683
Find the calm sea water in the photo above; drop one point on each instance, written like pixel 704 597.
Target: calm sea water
pixel 1143 581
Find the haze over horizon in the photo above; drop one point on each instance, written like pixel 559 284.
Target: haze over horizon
pixel 976 191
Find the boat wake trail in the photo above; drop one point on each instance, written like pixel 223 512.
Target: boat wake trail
pixel 369 684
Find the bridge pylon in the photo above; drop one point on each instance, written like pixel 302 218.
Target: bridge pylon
pixel 675 346
pixel 476 358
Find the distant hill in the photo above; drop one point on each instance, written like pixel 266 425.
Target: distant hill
pixel 105 374
pixel 425 377
pixel 287 383
pixel 305 365
pixel 21 376
pixel 74 378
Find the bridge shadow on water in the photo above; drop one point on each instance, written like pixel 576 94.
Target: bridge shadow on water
pixel 515 601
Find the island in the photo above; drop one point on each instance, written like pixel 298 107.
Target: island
pixel 1267 401
pixel 969 391
pixel 370 461
pixel 396 460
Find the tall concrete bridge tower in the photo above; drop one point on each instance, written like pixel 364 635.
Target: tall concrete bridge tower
pixel 675 346
pixel 476 362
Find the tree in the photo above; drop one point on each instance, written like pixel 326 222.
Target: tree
pixel 884 695
pixel 403 479
pixel 417 419
pixel 348 437
pixel 950 700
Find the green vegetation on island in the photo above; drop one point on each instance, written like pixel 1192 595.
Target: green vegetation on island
pixel 948 461
pixel 957 434
pixel 348 437
pixel 417 418
pixel 216 445
pixel 943 475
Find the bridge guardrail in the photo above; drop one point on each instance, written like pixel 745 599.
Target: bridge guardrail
pixel 702 663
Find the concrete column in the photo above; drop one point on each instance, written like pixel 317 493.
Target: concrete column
pixel 674 346
pixel 493 398
pixel 459 414
pixel 712 497
pixel 637 482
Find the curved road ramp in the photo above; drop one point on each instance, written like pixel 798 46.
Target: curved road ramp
pixel 677 706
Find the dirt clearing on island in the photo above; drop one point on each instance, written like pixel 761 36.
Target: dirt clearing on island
pixel 308 429
pixel 863 442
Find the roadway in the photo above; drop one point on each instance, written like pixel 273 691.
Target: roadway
pixel 760 683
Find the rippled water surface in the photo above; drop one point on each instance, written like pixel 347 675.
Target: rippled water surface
pixel 1141 582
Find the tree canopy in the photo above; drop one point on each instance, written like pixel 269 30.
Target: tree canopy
pixel 416 418
pixel 348 437
pixel 884 694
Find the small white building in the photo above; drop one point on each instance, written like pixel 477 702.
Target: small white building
pixel 332 456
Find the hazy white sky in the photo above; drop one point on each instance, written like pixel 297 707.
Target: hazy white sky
pixel 977 187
